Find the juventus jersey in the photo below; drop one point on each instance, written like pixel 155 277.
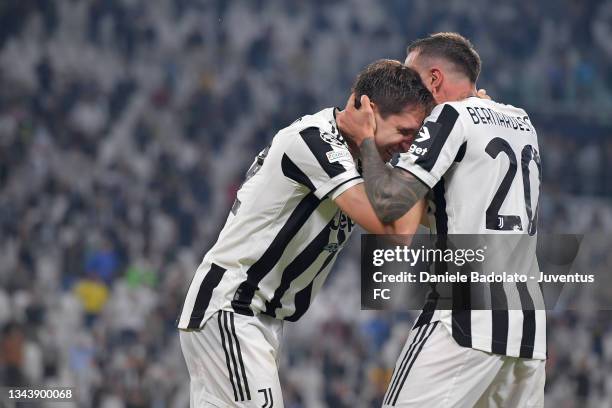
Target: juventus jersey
pixel 481 160
pixel 284 231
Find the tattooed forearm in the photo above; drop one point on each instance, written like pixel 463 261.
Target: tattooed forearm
pixel 392 192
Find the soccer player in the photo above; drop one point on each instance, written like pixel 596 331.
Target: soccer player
pixel 292 216
pixel 464 162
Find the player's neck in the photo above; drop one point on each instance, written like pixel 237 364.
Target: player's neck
pixel 352 146
pixel 456 93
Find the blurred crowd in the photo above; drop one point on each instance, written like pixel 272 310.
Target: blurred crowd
pixel 126 127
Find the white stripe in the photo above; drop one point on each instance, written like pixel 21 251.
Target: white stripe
pixel 267 200
pixel 296 246
pixel 515 332
pixel 539 350
pixel 482 322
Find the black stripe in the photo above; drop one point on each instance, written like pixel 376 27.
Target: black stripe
pixel 400 369
pixel 291 170
pixel 461 153
pixel 209 283
pixel 244 376
pixel 271 398
pixel 231 349
pixel 499 319
pixel 462 312
pixel 298 266
pixel 412 362
pixel 319 148
pixel 429 308
pixel 302 298
pixel 245 292
pixel 227 358
pixel 439 199
pixel 529 323
pixel 178 320
pixel 528 338
pixel 447 119
pixel 440 214
pixel 527 155
pixel 462 326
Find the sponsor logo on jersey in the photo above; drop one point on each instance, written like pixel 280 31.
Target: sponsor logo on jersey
pixel 342 221
pixel 337 155
pixel 343 224
pixel 423 134
pixel 424 139
pixel 419 151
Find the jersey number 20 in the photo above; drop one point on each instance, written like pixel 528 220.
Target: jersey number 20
pixel 496 221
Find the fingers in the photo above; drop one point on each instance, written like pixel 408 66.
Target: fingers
pixel 482 94
pixel 350 104
pixel 365 103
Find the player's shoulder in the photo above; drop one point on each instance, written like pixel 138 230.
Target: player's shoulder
pixel 499 106
pixel 321 125
pixel 512 109
pixel 460 106
pixel 323 120
pixel 445 115
pixel 461 111
pixel 449 110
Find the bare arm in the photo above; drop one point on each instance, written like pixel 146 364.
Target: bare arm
pixel 356 205
pixel 392 191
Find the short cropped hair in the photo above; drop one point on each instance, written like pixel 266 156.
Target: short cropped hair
pixel 392 86
pixel 453 47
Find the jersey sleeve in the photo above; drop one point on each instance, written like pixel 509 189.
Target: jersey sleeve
pixel 322 162
pixel 436 146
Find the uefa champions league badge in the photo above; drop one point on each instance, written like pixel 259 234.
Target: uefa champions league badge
pixel 332 137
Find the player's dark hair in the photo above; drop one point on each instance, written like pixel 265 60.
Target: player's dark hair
pixel 391 86
pixel 454 48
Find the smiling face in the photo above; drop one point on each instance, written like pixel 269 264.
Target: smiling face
pixel 396 132
pixel 399 102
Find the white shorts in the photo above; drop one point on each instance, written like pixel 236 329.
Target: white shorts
pixel 233 361
pixel 434 371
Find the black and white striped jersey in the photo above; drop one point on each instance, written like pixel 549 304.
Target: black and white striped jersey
pixel 284 231
pixel 481 160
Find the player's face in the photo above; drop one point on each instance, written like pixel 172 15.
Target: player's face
pixel 396 132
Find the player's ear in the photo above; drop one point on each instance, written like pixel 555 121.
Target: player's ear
pixel 436 78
